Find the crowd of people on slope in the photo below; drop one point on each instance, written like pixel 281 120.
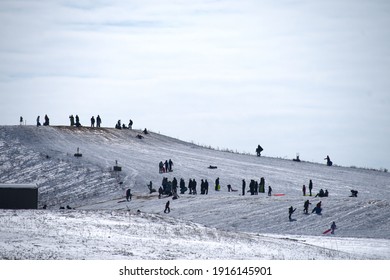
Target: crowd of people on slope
pixel 255 187
pixel 164 167
pixel 170 189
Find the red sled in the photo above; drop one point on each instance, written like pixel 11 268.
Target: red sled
pixel 327 231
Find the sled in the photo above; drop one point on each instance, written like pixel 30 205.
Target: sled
pixel 278 194
pixel 327 231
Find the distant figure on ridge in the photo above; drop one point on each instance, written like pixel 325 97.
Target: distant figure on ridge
pixel 328 161
pixel 98 121
pixel 71 118
pixel 118 125
pixel 46 123
pixel 38 121
pixel 93 121
pixel 78 124
pixel 259 149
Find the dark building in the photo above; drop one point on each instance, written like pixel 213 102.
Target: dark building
pixel 18 196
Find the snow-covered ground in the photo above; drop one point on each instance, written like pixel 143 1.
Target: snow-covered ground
pixel 220 225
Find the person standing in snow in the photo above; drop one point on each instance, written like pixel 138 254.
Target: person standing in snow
pixel 269 191
pixel 262 185
pixel 93 121
pixel 170 163
pixel 78 124
pixel 310 187
pixel 328 161
pixel 243 186
pixel 21 120
pixel 128 195
pixel 291 210
pixel 38 121
pixel 98 121
pixel 217 186
pixel 333 227
pixel 46 121
pixel 167 208
pixel 304 190
pixel 206 187
pixel 71 118
pixel 306 206
pixel 130 124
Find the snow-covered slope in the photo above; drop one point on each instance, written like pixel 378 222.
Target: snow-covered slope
pixel 45 156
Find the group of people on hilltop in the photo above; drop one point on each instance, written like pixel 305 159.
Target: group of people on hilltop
pixel 119 125
pixel 75 121
pixel 165 167
pixel 46 123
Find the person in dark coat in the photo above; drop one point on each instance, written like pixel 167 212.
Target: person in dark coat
pixel 310 187
pixel 170 163
pixel 160 192
pixel 98 121
pixel 269 191
pixel 243 186
pixel 38 121
pixel 304 190
pixel 128 195
pixel 291 210
pixel 217 186
pixel 161 167
pixel 206 187
pixel 252 187
pixel 166 164
pixel 318 208
pixel 328 161
pixel 183 187
pixel 130 124
pixel 167 208
pixel 262 185
pixel 46 121
pixel 326 193
pixel 93 121
pixel 78 124
pixel 306 207
pixel 71 120
pixel 259 149
pixel 333 227
pixel 354 193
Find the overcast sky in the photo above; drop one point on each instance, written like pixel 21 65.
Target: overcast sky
pixel 307 77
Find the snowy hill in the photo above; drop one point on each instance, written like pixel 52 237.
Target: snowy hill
pixel 220 225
